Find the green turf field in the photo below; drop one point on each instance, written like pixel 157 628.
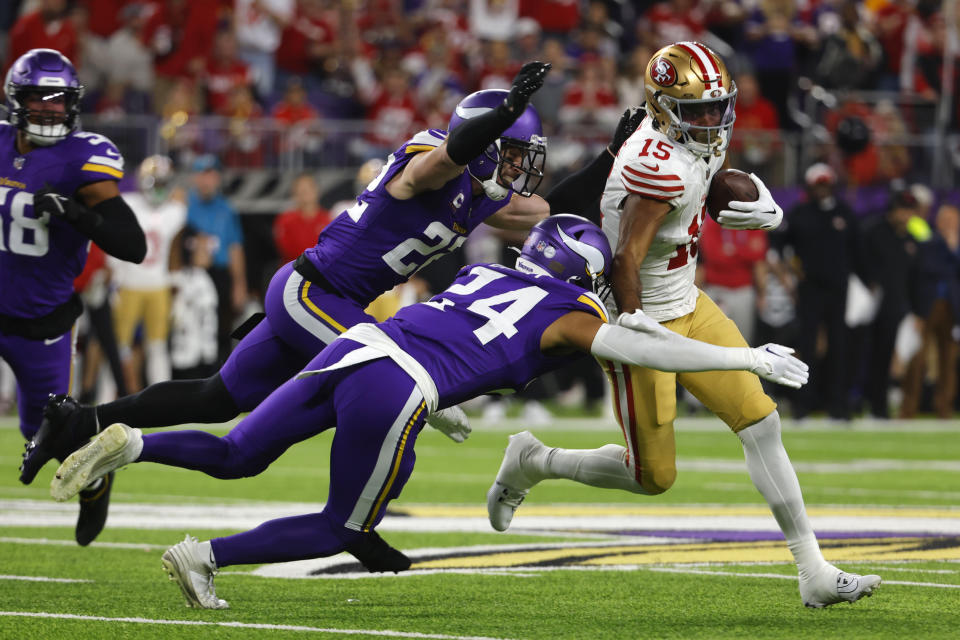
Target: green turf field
pixel 701 561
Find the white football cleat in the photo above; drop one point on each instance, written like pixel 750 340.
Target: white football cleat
pixel 511 485
pixel 114 447
pixel 186 565
pixel 831 585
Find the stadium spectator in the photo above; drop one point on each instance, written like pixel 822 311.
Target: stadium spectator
pixel 732 269
pixel 672 21
pixel 498 68
pixel 143 290
pixel 888 258
pixel 526 41
pixel 306 45
pixel 938 307
pixel 589 103
pixel 194 310
pixel 550 97
pixel 775 39
pixel 48 27
pixel 850 57
pixel 131 62
pixel 224 72
pixel 890 22
pixel 493 19
pixel 757 143
pixel 259 25
pixel 178 35
pixel 556 17
pixel 294 108
pixel 630 84
pixel 392 113
pixel 296 229
pixel 92 60
pixel 438 76
pixel 245 141
pixel 93 287
pixel 209 212
pixel 822 234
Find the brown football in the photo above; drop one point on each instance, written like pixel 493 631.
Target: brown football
pixel 727 185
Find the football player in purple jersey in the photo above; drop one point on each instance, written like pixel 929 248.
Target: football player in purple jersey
pixel 431 192
pixel 58 191
pixel 494 328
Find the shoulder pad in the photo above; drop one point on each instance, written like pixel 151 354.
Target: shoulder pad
pixel 652 168
pixel 425 141
pixel 593 302
pixel 96 154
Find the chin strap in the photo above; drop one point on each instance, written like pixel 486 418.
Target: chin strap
pixel 494 190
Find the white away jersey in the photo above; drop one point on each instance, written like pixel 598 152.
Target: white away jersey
pixel 160 226
pixel 653 166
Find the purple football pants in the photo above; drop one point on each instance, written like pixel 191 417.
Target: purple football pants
pixel 301 320
pixel 378 413
pixel 41 367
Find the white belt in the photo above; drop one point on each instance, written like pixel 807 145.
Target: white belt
pixel 378 344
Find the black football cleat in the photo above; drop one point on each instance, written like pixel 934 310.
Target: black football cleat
pixel 377 555
pixel 94 504
pixel 65 428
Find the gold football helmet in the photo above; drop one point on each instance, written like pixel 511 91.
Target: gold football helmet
pixel 691 96
pixel 155 177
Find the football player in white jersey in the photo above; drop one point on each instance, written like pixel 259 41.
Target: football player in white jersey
pixel 143 290
pixel 653 206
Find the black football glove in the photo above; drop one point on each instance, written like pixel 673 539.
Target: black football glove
pixel 528 80
pixel 47 200
pixel 629 122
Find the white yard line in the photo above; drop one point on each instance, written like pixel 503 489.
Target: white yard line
pixel 736 574
pixel 387 633
pixel 41 579
pixel 70 543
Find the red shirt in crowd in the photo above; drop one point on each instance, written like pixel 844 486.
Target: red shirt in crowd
pixel 729 255
pixel 304 32
pixel 222 77
pixel 32 32
pixel 560 16
pixel 294 113
pixel 177 35
pixel 293 232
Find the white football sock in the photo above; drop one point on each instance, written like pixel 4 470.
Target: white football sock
pixel 774 477
pixel 605 467
pixel 206 552
pixel 158 362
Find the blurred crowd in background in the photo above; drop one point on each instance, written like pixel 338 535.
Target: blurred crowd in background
pixel 275 113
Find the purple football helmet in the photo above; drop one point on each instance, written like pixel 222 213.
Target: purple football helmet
pixel 526 134
pixel 569 248
pixel 46 75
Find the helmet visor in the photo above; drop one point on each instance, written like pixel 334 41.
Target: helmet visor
pixel 707 121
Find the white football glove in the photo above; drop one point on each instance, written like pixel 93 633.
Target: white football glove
pixel 638 321
pixel 452 422
pixel 764 214
pixel 773 362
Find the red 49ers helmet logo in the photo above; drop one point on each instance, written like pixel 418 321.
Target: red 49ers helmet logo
pixel 663 72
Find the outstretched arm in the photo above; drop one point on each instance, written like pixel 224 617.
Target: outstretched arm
pixel 433 169
pixel 640 341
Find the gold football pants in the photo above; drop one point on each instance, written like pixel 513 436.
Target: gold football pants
pixel 645 400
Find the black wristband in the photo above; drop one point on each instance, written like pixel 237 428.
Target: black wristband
pixel 472 138
pixel 578 192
